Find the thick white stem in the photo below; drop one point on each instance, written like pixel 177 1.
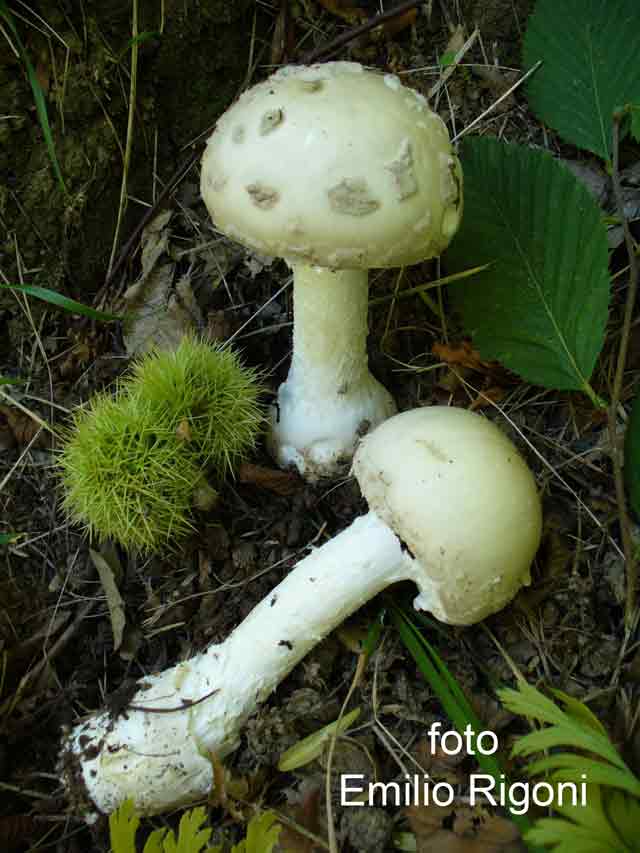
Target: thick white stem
pixel 330 329
pixel 329 398
pixel 155 750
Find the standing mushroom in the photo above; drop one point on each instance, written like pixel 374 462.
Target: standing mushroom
pixel 337 169
pixel 453 507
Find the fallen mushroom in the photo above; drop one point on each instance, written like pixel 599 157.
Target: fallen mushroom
pixel 336 169
pixel 453 507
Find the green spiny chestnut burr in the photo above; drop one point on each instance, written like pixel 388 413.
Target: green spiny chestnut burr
pixel 205 387
pixel 134 463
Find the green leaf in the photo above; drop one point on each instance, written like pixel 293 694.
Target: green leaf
pixel 148 35
pixel 586 828
pixel 38 94
pixel 312 746
pixel 632 456
pixel 262 834
pixel 624 815
pixel 568 767
pixel 123 825
pixel 61 301
pixel 447 58
pixel 589 52
pixel 192 838
pixel 541 307
pixel 571 727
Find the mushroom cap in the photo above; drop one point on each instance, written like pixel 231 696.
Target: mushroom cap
pixel 459 496
pixel 336 166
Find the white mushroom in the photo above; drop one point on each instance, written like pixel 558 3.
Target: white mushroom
pixel 453 507
pixel 337 169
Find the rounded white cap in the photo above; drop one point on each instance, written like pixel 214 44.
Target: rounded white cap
pixel 336 166
pixel 459 496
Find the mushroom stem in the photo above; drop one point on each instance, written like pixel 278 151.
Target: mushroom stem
pixel 329 398
pixel 330 332
pixel 156 750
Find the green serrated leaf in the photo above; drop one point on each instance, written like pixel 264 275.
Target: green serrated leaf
pixel 632 456
pixel 192 838
pixel 589 52
pixel 568 767
pixel 563 836
pixel 123 825
pixel 262 834
pixel 624 813
pixel 579 711
pixel 541 307
pixel 155 842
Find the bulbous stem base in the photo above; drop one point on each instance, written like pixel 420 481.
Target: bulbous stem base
pixel 329 398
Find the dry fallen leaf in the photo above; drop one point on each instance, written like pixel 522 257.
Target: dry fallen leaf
pixel 112 593
pixel 463 354
pixel 159 314
pixel 462 829
pixel 345 9
pixel 16 427
pixel 306 815
pixel 279 482
pixel 439 765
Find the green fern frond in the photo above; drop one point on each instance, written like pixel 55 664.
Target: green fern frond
pixel 609 817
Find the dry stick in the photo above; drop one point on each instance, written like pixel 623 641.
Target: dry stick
pixel 625 525
pixel 182 171
pixel 363 659
pixel 131 114
pixel 351 34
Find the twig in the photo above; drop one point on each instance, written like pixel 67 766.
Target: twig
pixel 625 525
pixel 344 38
pixel 182 171
pixel 130 118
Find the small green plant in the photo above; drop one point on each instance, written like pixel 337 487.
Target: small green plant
pixel 133 464
pixel 610 818
pixel 38 94
pixel 193 835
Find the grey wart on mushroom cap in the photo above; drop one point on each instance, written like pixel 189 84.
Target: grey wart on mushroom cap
pixel 336 169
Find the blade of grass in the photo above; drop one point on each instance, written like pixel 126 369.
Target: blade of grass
pixel 61 301
pixel 133 85
pixel 147 35
pixel 453 701
pixel 38 95
pixel 430 285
